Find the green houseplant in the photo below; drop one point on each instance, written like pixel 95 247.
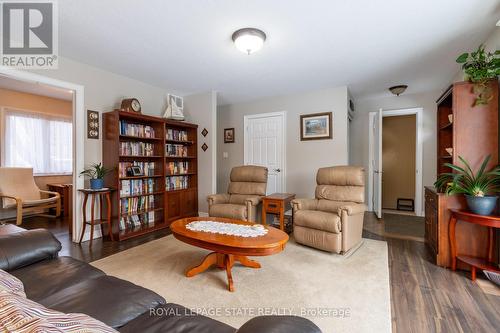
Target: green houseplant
pixel 479 188
pixel 479 67
pixel 96 173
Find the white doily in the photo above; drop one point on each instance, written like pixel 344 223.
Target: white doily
pixel 232 229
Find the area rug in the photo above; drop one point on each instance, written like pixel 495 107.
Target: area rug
pixel 338 294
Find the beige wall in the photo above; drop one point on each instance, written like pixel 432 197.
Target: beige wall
pixel 398 159
pixel 303 158
pixel 41 104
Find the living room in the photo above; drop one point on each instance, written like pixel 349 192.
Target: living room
pixel 225 134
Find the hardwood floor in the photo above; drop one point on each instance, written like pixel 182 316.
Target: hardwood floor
pixel 424 297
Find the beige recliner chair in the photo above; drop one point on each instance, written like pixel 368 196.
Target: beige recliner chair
pixel 246 188
pixel 333 221
pixel 19 192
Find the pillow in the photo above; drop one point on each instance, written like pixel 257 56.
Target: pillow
pixel 10 283
pixel 22 315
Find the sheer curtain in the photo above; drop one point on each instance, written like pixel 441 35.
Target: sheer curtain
pixel 39 141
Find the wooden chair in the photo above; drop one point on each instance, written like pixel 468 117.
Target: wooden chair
pixel 19 192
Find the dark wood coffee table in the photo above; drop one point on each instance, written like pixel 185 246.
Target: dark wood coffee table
pixel 228 249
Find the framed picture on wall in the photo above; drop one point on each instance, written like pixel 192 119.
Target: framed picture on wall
pixel 316 126
pixel 228 135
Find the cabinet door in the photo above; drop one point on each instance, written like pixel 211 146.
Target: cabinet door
pixel 431 226
pixel 173 206
pixel 189 203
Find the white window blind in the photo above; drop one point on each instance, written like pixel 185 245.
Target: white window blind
pixel 38 141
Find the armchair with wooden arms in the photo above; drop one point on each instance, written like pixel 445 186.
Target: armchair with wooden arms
pixel 19 193
pixel 246 189
pixel 333 221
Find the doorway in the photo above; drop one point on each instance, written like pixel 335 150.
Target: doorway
pixel 265 145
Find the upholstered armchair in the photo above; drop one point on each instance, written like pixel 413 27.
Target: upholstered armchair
pixel 19 192
pixel 333 221
pixel 246 188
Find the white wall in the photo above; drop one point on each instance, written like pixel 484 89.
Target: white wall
pixel 359 128
pixel 201 109
pixel 303 157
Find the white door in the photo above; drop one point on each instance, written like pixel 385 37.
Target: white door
pixel 265 146
pixel 377 164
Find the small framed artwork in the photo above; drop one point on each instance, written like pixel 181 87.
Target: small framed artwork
pixel 316 126
pixel 134 171
pixel 92 124
pixel 228 135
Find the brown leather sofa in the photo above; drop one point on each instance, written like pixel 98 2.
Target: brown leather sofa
pixel 246 188
pixel 72 286
pixel 333 221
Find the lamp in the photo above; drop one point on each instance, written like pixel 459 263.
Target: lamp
pixel 249 40
pixel 398 90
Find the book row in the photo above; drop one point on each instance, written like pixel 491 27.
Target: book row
pixel 136 148
pixel 176 150
pixel 137 204
pixel 177 167
pixel 176 183
pixel 133 221
pixel 139 130
pixel 147 168
pixel 137 186
pixel 177 135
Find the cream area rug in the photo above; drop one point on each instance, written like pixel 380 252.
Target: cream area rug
pixel 339 294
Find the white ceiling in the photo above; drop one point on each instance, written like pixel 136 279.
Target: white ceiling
pixel 368 45
pixel 35 88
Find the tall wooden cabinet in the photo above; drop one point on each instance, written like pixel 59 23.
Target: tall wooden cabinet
pixel 471 132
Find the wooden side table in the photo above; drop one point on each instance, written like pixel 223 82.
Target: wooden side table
pixel 94 194
pixel 475 263
pixel 276 203
pixel 66 193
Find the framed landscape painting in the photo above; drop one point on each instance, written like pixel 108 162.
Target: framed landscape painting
pixel 316 126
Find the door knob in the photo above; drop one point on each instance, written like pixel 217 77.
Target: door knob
pixel 277 170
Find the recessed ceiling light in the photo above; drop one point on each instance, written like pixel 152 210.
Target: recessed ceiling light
pixel 249 40
pixel 398 90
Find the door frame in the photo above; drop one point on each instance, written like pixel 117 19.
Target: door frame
pixel 247 118
pixel 419 209
pixel 78 130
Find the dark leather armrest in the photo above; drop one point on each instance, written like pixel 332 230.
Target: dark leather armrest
pixel 279 324
pixel 27 247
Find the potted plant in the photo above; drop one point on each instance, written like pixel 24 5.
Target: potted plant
pixel 479 188
pixel 96 173
pixel 479 67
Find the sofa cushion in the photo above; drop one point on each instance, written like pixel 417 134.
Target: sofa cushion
pixel 318 220
pixel 49 276
pixel 232 211
pixel 175 318
pixel 19 314
pixel 106 298
pixel 11 284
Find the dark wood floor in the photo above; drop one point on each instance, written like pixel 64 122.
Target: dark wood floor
pixel 424 297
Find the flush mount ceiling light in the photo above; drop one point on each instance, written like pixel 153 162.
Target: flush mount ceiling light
pixel 249 40
pixel 398 90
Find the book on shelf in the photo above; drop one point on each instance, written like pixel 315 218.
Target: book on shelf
pixel 176 150
pixel 177 167
pixel 137 186
pixel 176 135
pixel 147 168
pixel 137 204
pixel 176 183
pixel 138 220
pixel 129 148
pixel 139 130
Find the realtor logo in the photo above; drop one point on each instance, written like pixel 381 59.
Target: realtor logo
pixel 29 34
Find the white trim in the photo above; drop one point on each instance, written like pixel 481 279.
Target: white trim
pixel 282 114
pixel 78 130
pixel 214 142
pixel 419 208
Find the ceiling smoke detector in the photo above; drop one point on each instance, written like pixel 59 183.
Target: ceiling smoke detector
pixel 398 90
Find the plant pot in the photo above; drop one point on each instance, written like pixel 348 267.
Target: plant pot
pixel 481 205
pixel 96 184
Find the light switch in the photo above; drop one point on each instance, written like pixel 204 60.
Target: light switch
pixel 225 154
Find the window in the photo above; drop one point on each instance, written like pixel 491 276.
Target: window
pixel 39 141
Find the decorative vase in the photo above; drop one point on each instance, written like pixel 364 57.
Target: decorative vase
pixel 481 205
pixel 96 184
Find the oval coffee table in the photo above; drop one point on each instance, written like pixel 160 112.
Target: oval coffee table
pixel 228 249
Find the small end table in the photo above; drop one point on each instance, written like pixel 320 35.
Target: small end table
pixel 276 203
pixel 475 263
pixel 94 194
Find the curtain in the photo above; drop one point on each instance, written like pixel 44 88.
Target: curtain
pixel 39 141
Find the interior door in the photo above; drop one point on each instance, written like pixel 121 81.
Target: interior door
pixel 264 146
pixel 377 164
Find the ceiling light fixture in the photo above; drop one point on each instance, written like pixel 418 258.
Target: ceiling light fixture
pixel 249 40
pixel 398 90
